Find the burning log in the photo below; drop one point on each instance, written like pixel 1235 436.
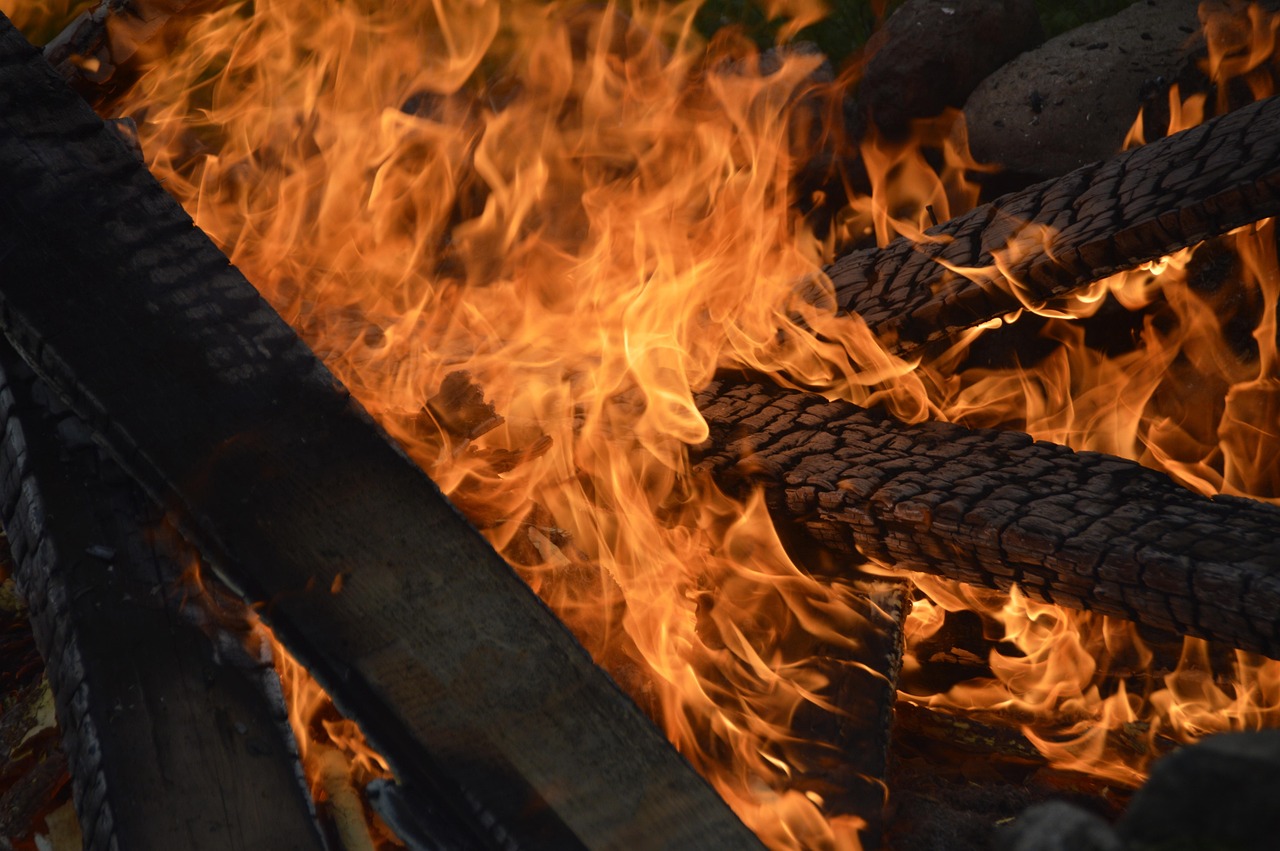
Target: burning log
pixel 413 623
pixel 996 508
pixel 1060 235
pixel 147 711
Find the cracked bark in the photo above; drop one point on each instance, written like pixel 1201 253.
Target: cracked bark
pixel 1100 219
pixel 996 508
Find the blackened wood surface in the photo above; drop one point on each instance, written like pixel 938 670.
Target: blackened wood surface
pixel 995 508
pixel 843 755
pixel 170 746
pixel 455 669
pixel 1097 220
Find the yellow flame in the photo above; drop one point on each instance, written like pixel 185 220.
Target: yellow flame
pixel 1197 394
pixel 589 211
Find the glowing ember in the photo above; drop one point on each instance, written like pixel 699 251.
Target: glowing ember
pixel 590 211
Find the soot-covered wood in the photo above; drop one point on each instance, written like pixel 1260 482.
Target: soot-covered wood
pixel 172 744
pixel 404 613
pixel 1076 229
pixel 996 508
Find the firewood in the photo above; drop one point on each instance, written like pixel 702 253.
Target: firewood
pixel 996 508
pixel 1100 219
pixel 999 733
pixel 969 731
pixel 457 672
pixel 163 729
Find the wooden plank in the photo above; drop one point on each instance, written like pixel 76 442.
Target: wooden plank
pixel 997 508
pixel 453 667
pixel 1073 230
pixel 172 744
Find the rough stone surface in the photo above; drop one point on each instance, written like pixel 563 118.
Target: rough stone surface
pixel 1057 826
pixel 1218 794
pixel 1072 100
pixel 930 54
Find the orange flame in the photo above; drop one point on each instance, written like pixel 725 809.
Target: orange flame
pixel 589 226
pixel 1198 396
pixel 589 211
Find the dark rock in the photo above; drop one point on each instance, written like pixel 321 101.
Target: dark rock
pixel 930 54
pixel 1072 100
pixel 1219 794
pixel 1057 826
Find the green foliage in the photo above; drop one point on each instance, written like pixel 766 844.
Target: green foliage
pixel 846 28
pixel 851 22
pixel 1059 16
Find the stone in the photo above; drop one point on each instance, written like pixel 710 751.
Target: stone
pixel 930 54
pixel 1057 826
pixel 1072 100
pixel 1218 794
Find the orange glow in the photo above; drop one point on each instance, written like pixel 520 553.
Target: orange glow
pixel 1198 396
pixel 588 213
pixel 581 213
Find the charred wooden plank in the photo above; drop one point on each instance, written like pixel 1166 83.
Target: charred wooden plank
pixel 842 756
pixel 996 508
pixel 173 742
pixel 433 644
pixel 1076 229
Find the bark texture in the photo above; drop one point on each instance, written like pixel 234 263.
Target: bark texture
pixel 1076 229
pixel 996 508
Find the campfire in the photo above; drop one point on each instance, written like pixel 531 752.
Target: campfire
pixel 804 437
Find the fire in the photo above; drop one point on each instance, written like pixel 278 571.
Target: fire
pixel 1198 396
pixel 585 212
pixel 334 754
pixel 588 213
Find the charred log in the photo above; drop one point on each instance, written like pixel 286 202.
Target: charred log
pixel 996 508
pixel 406 615
pixel 1070 231
pixel 172 740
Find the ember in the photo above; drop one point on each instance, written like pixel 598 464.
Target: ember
pixel 526 236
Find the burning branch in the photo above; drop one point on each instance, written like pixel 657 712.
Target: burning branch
pixel 1052 239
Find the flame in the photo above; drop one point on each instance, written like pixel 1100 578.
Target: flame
pixel 336 758
pixel 588 212
pixel 579 212
pixel 1196 394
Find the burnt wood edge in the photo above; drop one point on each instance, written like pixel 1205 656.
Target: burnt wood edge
pixel 1073 230
pixel 203 394
pixel 997 508
pixel 172 743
